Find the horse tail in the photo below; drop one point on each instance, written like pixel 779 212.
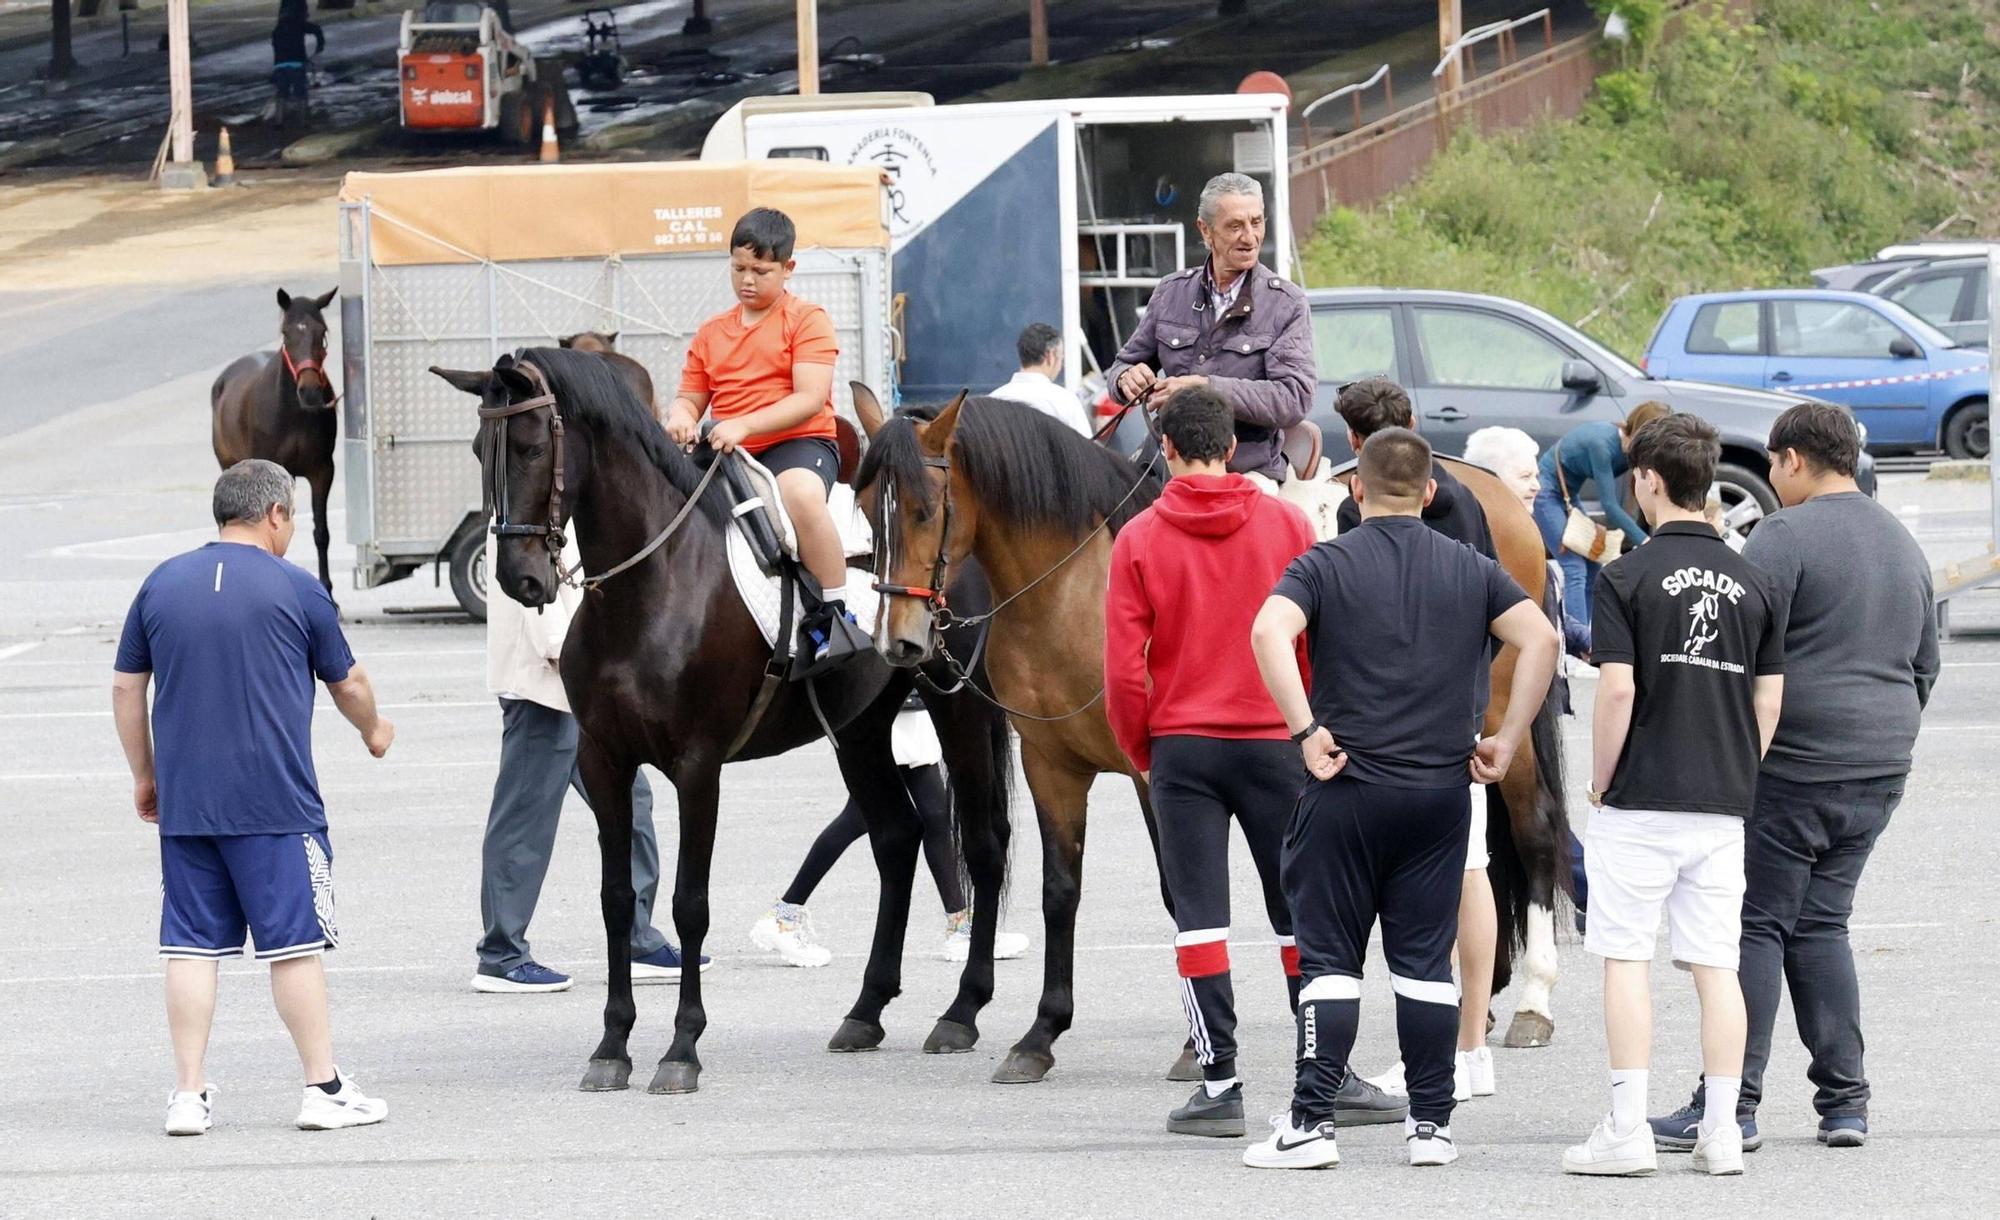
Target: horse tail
pixel 1531 872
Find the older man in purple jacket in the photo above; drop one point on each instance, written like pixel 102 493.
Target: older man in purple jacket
pixel 1232 325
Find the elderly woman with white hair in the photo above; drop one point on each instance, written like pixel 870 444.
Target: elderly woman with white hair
pixel 1513 455
pixel 1232 325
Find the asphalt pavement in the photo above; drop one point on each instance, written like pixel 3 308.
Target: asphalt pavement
pixel 112 475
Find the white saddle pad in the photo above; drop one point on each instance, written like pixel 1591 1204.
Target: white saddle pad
pixel 761 594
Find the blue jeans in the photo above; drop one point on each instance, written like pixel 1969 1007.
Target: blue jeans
pixel 1579 574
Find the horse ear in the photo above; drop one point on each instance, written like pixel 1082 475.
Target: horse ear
pixel 611 339
pixel 867 409
pixel 284 299
pixel 937 434
pixel 325 299
pixel 472 381
pixel 566 341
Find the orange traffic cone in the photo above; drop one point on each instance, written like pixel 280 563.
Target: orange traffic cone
pixel 225 163
pixel 551 151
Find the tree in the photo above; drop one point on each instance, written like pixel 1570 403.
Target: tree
pixel 61 62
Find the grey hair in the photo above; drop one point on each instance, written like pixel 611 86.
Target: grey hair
pixel 247 490
pixel 1491 447
pixel 1226 184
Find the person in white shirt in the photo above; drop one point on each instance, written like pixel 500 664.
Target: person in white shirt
pixel 538 739
pixel 1041 351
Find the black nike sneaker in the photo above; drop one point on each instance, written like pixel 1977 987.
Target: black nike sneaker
pixel 1205 1115
pixel 1360 1104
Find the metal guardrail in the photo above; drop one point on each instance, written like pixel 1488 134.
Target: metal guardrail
pixel 1460 53
pixel 1353 91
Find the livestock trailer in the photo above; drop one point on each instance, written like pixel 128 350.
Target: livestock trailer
pixel 455 267
pixel 1004 213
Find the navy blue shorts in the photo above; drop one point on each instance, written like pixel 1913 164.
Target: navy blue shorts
pixel 276 888
pixel 814 453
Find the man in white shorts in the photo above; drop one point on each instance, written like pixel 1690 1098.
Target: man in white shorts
pixel 1689 643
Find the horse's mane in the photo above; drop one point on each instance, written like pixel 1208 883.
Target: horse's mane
pixel 1028 469
pixel 589 391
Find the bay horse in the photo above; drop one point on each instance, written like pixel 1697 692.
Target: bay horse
pixel 605 343
pixel 1037 507
pixel 663 664
pixel 279 407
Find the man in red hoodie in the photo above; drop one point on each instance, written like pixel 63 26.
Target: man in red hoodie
pixel 1184 698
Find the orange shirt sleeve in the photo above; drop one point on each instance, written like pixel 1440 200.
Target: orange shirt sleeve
pixel 814 342
pixel 694 370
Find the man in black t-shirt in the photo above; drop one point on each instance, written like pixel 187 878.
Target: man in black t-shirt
pixel 1688 638
pixel 1397 620
pixel 1368 406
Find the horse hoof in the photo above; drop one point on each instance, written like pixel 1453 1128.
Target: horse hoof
pixel 855 1035
pixel 606 1076
pixel 950 1038
pixel 1023 1067
pixel 1185 1068
pixel 676 1077
pixel 1530 1029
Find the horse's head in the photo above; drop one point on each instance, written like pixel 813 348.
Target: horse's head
pixel 530 471
pixel 302 346
pixel 591 341
pixel 923 517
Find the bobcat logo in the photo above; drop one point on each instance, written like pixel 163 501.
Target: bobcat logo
pixel 320 869
pixel 1703 615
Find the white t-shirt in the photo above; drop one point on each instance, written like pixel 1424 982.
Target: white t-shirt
pixel 1035 390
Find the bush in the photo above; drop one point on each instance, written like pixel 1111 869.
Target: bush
pixel 1744 155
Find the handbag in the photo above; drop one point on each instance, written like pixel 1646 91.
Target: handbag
pixel 1581 535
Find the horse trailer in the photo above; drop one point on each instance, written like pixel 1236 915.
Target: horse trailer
pixel 1004 213
pixel 456 267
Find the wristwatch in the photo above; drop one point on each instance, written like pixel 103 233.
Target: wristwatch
pixel 1595 797
pixel 1299 738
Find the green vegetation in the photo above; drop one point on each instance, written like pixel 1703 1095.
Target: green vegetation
pixel 1743 153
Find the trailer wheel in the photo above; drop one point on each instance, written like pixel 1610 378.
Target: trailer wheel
pixel 468 573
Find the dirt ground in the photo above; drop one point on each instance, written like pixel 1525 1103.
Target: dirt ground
pixel 107 231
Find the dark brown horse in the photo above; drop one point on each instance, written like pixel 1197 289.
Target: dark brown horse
pixel 605 344
pixel 1037 506
pixel 279 407
pixel 662 665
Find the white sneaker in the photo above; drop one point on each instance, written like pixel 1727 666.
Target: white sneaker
pixel 1720 1152
pixel 958 940
pixel 1391 1080
pixel 1610 1154
pixel 787 931
pixel 1291 1148
pixel 1472 1074
pixel 324 1111
pixel 1429 1143
pixel 190 1113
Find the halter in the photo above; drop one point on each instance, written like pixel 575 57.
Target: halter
pixel 294 368
pixel 551 531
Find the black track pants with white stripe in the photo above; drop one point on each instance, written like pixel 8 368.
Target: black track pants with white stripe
pixel 1356 852
pixel 1198 784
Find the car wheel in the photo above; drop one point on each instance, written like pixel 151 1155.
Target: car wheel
pixel 468 573
pixel 1746 497
pixel 1968 437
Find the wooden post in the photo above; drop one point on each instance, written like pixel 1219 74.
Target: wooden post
pixel 1451 24
pixel 808 48
pixel 180 79
pixel 1038 33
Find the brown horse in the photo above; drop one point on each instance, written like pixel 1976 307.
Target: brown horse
pixel 1037 507
pixel 279 406
pixel 605 344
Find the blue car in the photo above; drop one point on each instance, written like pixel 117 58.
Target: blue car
pixel 1909 384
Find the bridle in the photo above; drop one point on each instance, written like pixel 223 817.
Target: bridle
pixel 550 530
pixel 314 366
pixel 933 595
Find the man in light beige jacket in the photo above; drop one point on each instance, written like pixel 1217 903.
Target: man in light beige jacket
pixel 538 738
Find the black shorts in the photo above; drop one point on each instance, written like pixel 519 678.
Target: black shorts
pixel 814 453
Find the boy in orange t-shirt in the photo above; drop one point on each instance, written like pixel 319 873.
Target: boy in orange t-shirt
pixel 764 369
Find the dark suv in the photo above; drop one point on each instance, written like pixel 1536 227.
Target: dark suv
pixel 1472 361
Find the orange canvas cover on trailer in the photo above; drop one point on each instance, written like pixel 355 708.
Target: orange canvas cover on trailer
pixel 519 212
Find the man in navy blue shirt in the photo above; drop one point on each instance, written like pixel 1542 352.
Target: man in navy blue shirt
pixel 233 637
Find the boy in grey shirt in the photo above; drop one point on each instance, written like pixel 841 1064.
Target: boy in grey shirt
pixel 1861 655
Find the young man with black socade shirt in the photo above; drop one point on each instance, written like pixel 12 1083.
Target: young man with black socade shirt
pixel 1397 619
pixel 1689 641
